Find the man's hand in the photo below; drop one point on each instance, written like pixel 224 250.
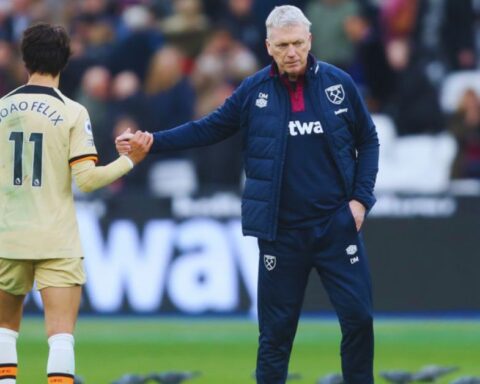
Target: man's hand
pixel 358 212
pixel 139 144
pixel 122 142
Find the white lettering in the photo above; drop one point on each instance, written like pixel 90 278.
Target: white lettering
pixel 246 255
pixel 203 278
pixel 304 128
pixel 124 264
pixel 317 127
pixel 291 126
pixel 307 128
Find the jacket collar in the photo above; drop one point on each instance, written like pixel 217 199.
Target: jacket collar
pixel 312 67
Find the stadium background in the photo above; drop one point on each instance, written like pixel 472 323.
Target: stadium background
pixel 171 280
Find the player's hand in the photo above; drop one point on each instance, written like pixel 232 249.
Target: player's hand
pixel 122 142
pixel 140 144
pixel 358 212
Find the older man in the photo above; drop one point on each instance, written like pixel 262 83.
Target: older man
pixel 311 158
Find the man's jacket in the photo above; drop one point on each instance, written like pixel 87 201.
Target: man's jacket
pixel 260 107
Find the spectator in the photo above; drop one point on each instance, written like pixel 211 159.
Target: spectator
pixel 11 71
pixel 73 74
pixel 222 59
pixel 127 99
pixel 399 19
pixel 223 62
pixel 465 125
pixel 95 95
pixel 17 20
pixel 370 68
pixel 97 35
pixel 413 103
pixel 331 42
pixel 134 52
pixel 187 27
pixel 458 34
pixel 169 94
pixel 240 21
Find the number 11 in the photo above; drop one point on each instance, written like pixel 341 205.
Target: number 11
pixel 37 139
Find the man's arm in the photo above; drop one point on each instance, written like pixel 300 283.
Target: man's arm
pixel 88 177
pixel 367 146
pixel 220 124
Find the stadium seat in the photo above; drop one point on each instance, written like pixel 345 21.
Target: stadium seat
pixel 173 178
pixel 415 163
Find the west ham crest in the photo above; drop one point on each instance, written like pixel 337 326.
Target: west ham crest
pixel 335 94
pixel 269 261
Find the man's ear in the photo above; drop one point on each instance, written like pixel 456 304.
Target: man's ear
pixel 267 44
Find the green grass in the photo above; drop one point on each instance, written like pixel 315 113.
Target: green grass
pixel 225 350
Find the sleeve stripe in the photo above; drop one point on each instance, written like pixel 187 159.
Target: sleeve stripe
pixel 78 159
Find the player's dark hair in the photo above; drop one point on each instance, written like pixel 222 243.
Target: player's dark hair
pixel 45 49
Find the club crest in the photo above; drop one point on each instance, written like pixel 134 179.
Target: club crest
pixel 269 261
pixel 335 94
pixel 262 100
pixel 351 249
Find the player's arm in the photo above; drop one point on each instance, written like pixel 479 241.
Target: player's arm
pixel 89 177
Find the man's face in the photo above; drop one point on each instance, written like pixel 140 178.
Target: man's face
pixel 289 47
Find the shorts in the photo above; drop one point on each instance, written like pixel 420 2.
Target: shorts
pixel 17 276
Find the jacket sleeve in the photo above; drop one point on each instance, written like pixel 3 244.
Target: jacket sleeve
pixel 216 126
pixel 367 146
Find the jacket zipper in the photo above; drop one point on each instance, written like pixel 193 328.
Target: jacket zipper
pixel 283 144
pixel 328 137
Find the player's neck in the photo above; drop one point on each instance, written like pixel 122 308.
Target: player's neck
pixel 43 80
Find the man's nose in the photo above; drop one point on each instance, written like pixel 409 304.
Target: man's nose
pixel 291 50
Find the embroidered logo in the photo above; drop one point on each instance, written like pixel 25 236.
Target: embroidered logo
pixel 262 100
pixel 341 110
pixel 335 94
pixel 269 261
pixel 351 250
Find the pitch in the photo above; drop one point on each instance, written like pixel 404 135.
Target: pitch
pixel 224 351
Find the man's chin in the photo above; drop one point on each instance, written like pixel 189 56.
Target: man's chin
pixel 294 71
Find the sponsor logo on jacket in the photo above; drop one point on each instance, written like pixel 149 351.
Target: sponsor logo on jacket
pixel 304 128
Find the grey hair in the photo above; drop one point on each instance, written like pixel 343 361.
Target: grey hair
pixel 286 15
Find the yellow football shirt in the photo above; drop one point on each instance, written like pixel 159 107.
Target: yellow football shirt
pixel 42 133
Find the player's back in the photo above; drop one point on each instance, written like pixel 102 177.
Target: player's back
pixel 42 133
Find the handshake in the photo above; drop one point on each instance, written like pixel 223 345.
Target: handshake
pixel 134 145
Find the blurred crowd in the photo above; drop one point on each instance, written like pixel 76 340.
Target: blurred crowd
pixel 154 64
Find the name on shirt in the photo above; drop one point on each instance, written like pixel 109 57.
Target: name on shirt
pixel 35 106
pixel 306 128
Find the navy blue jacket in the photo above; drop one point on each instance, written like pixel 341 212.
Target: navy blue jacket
pixel 260 107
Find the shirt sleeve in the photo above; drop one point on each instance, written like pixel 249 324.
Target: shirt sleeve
pixel 89 178
pixel 220 124
pixel 82 146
